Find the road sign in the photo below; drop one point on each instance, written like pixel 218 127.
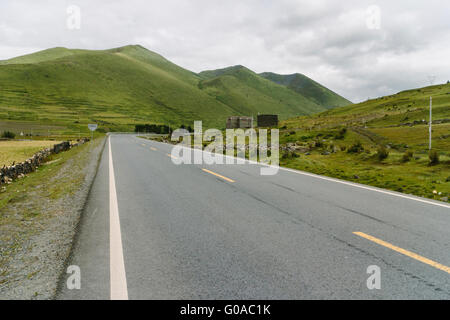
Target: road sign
pixel 92 127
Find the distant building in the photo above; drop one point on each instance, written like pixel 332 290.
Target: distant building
pixel 242 122
pixel 267 120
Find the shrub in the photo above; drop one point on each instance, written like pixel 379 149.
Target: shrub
pixel 341 134
pixel 8 135
pixel 289 155
pixel 356 148
pixel 152 128
pixel 382 153
pixel 407 156
pixel 434 157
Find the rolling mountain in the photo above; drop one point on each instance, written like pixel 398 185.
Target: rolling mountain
pixel 244 90
pixel 121 87
pixel 308 88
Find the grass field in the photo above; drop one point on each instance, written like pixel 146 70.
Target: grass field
pixel 18 151
pixel 397 123
pixel 415 176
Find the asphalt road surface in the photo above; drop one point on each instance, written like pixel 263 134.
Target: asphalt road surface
pixel 156 230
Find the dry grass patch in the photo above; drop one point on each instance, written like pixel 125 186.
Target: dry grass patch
pixel 19 151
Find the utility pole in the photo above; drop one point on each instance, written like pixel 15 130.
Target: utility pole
pixel 431 79
pixel 431 120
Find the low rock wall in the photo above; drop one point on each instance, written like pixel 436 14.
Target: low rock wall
pixel 8 174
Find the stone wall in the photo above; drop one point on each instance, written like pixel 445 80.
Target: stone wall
pixel 8 174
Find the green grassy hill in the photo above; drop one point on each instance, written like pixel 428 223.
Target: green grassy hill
pixel 347 142
pixel 308 88
pixel 61 90
pixel 45 55
pixel 115 88
pixel 400 109
pixel 245 91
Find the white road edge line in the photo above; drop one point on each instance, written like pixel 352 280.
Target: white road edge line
pixel 405 196
pixel 118 279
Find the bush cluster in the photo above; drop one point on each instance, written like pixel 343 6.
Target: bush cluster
pixel 8 135
pixel 407 156
pixel 382 153
pixel 290 155
pixel 341 134
pixel 434 157
pixel 152 128
pixel 356 148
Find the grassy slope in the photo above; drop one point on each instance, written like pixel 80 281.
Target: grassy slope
pixel 387 121
pixel 115 88
pixel 401 108
pixel 308 88
pixel 248 93
pixel 44 55
pixel 62 90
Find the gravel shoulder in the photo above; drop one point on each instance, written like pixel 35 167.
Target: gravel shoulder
pixel 39 216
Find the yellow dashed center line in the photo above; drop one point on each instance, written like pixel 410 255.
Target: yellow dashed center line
pixel 169 155
pixel 405 252
pixel 218 175
pixel 154 149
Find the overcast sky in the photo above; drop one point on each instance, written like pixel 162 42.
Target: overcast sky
pixel 357 48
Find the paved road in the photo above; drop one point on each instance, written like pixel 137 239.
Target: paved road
pixel 180 232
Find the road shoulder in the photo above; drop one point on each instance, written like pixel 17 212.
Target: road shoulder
pixel 39 222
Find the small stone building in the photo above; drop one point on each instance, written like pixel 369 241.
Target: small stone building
pixel 267 120
pixel 237 122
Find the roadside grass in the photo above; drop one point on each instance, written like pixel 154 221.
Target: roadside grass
pixel 27 202
pixel 415 177
pixel 395 123
pixel 18 151
pixel 330 156
pixel 45 179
